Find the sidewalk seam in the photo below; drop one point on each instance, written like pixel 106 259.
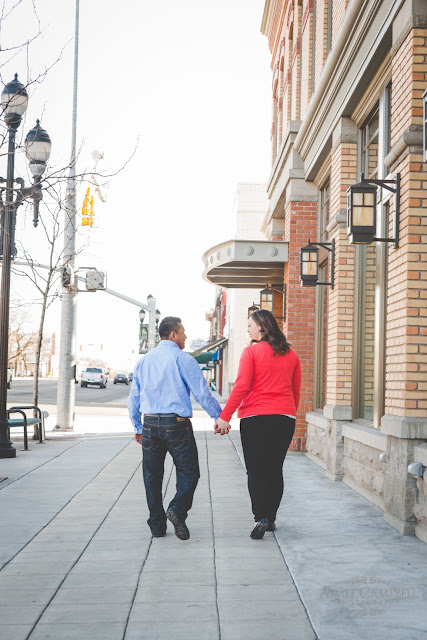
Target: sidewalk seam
pixel 144 561
pixel 96 531
pixel 282 554
pixel 214 539
pixel 9 484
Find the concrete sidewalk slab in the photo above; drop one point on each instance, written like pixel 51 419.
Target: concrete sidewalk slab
pixel 75 537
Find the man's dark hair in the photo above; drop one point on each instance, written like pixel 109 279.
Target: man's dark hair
pixel 167 325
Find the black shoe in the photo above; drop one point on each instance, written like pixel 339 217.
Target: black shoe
pixel 158 534
pixel 271 526
pixel 260 528
pixel 181 530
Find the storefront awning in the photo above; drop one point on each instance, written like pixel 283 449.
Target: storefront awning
pixel 211 346
pixel 245 264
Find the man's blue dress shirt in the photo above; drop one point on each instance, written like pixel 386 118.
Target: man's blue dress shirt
pixel 162 382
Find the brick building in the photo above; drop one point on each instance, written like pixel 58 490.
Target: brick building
pixel 347 84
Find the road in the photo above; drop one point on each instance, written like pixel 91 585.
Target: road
pixel 21 394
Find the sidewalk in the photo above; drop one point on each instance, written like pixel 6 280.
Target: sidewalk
pixel 79 563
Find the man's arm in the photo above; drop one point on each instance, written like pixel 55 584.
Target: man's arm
pixel 194 379
pixel 134 403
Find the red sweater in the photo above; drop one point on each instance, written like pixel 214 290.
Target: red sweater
pixel 266 384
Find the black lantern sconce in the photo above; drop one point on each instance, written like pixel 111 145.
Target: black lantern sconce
pixel 266 299
pixel 309 263
pixel 362 210
pixel 253 308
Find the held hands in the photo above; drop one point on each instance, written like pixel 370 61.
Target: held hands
pixel 221 426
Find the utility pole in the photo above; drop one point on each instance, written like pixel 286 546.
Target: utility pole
pixel 67 348
pixel 151 342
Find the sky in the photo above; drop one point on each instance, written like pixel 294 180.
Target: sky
pixel 176 94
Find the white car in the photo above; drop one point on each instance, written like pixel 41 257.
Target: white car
pixel 9 378
pixel 94 376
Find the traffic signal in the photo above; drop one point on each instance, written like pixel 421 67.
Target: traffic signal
pixel 87 216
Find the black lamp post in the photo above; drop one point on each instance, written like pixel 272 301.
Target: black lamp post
pixel 143 333
pixel 14 102
pixel 362 210
pixel 157 337
pixel 309 263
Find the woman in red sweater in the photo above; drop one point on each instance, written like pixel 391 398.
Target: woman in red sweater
pixel 266 393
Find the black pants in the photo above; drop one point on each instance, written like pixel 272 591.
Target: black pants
pixel 265 442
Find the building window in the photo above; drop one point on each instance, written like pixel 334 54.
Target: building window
pixel 366 327
pixel 369 144
pixel 321 340
pixel 371 266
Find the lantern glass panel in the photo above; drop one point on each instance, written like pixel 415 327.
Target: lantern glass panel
pixel 357 199
pixel 363 216
pixel 369 198
pixel 309 268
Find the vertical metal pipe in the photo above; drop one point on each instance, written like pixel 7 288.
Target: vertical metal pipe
pixel 67 349
pixel 6 448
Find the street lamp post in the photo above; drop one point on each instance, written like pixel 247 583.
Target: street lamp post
pixel 14 102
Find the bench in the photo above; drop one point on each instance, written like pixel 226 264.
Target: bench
pixel 25 422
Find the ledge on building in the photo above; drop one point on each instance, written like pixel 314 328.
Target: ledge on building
pixel 245 264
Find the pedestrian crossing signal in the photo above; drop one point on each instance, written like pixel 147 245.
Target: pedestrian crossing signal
pixel 87 210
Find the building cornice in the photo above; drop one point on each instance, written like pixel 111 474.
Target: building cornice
pixel 365 25
pixel 267 17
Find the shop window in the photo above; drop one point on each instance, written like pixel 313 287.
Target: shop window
pixel 371 276
pixel 367 275
pixel 321 338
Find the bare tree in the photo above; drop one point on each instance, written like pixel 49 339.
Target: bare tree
pixel 21 341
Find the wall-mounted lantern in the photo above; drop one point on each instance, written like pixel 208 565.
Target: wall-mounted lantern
pixel 266 299
pixel 253 308
pixel 362 210
pixel 309 263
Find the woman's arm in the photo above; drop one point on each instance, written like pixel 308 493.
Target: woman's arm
pixel 241 386
pixel 296 383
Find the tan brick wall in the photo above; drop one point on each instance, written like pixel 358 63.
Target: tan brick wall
pixel 306 57
pixel 406 349
pixel 321 34
pixel 296 64
pixel 338 11
pixel 341 298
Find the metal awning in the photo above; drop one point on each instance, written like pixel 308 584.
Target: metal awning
pixel 211 346
pixel 245 264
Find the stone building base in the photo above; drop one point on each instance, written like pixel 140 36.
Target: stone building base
pixel 350 451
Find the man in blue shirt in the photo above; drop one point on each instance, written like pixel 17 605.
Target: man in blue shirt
pixel 161 387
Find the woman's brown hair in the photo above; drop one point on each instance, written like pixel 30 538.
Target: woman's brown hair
pixel 270 331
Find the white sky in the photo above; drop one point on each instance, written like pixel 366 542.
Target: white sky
pixel 191 79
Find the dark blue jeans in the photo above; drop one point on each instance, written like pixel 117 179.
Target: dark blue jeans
pixel 160 434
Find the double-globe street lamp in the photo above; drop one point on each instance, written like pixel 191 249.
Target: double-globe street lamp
pixel 14 102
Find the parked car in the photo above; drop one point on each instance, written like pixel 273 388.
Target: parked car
pixel 94 376
pixel 9 378
pixel 121 378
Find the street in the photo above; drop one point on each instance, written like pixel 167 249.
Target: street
pixel 21 393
